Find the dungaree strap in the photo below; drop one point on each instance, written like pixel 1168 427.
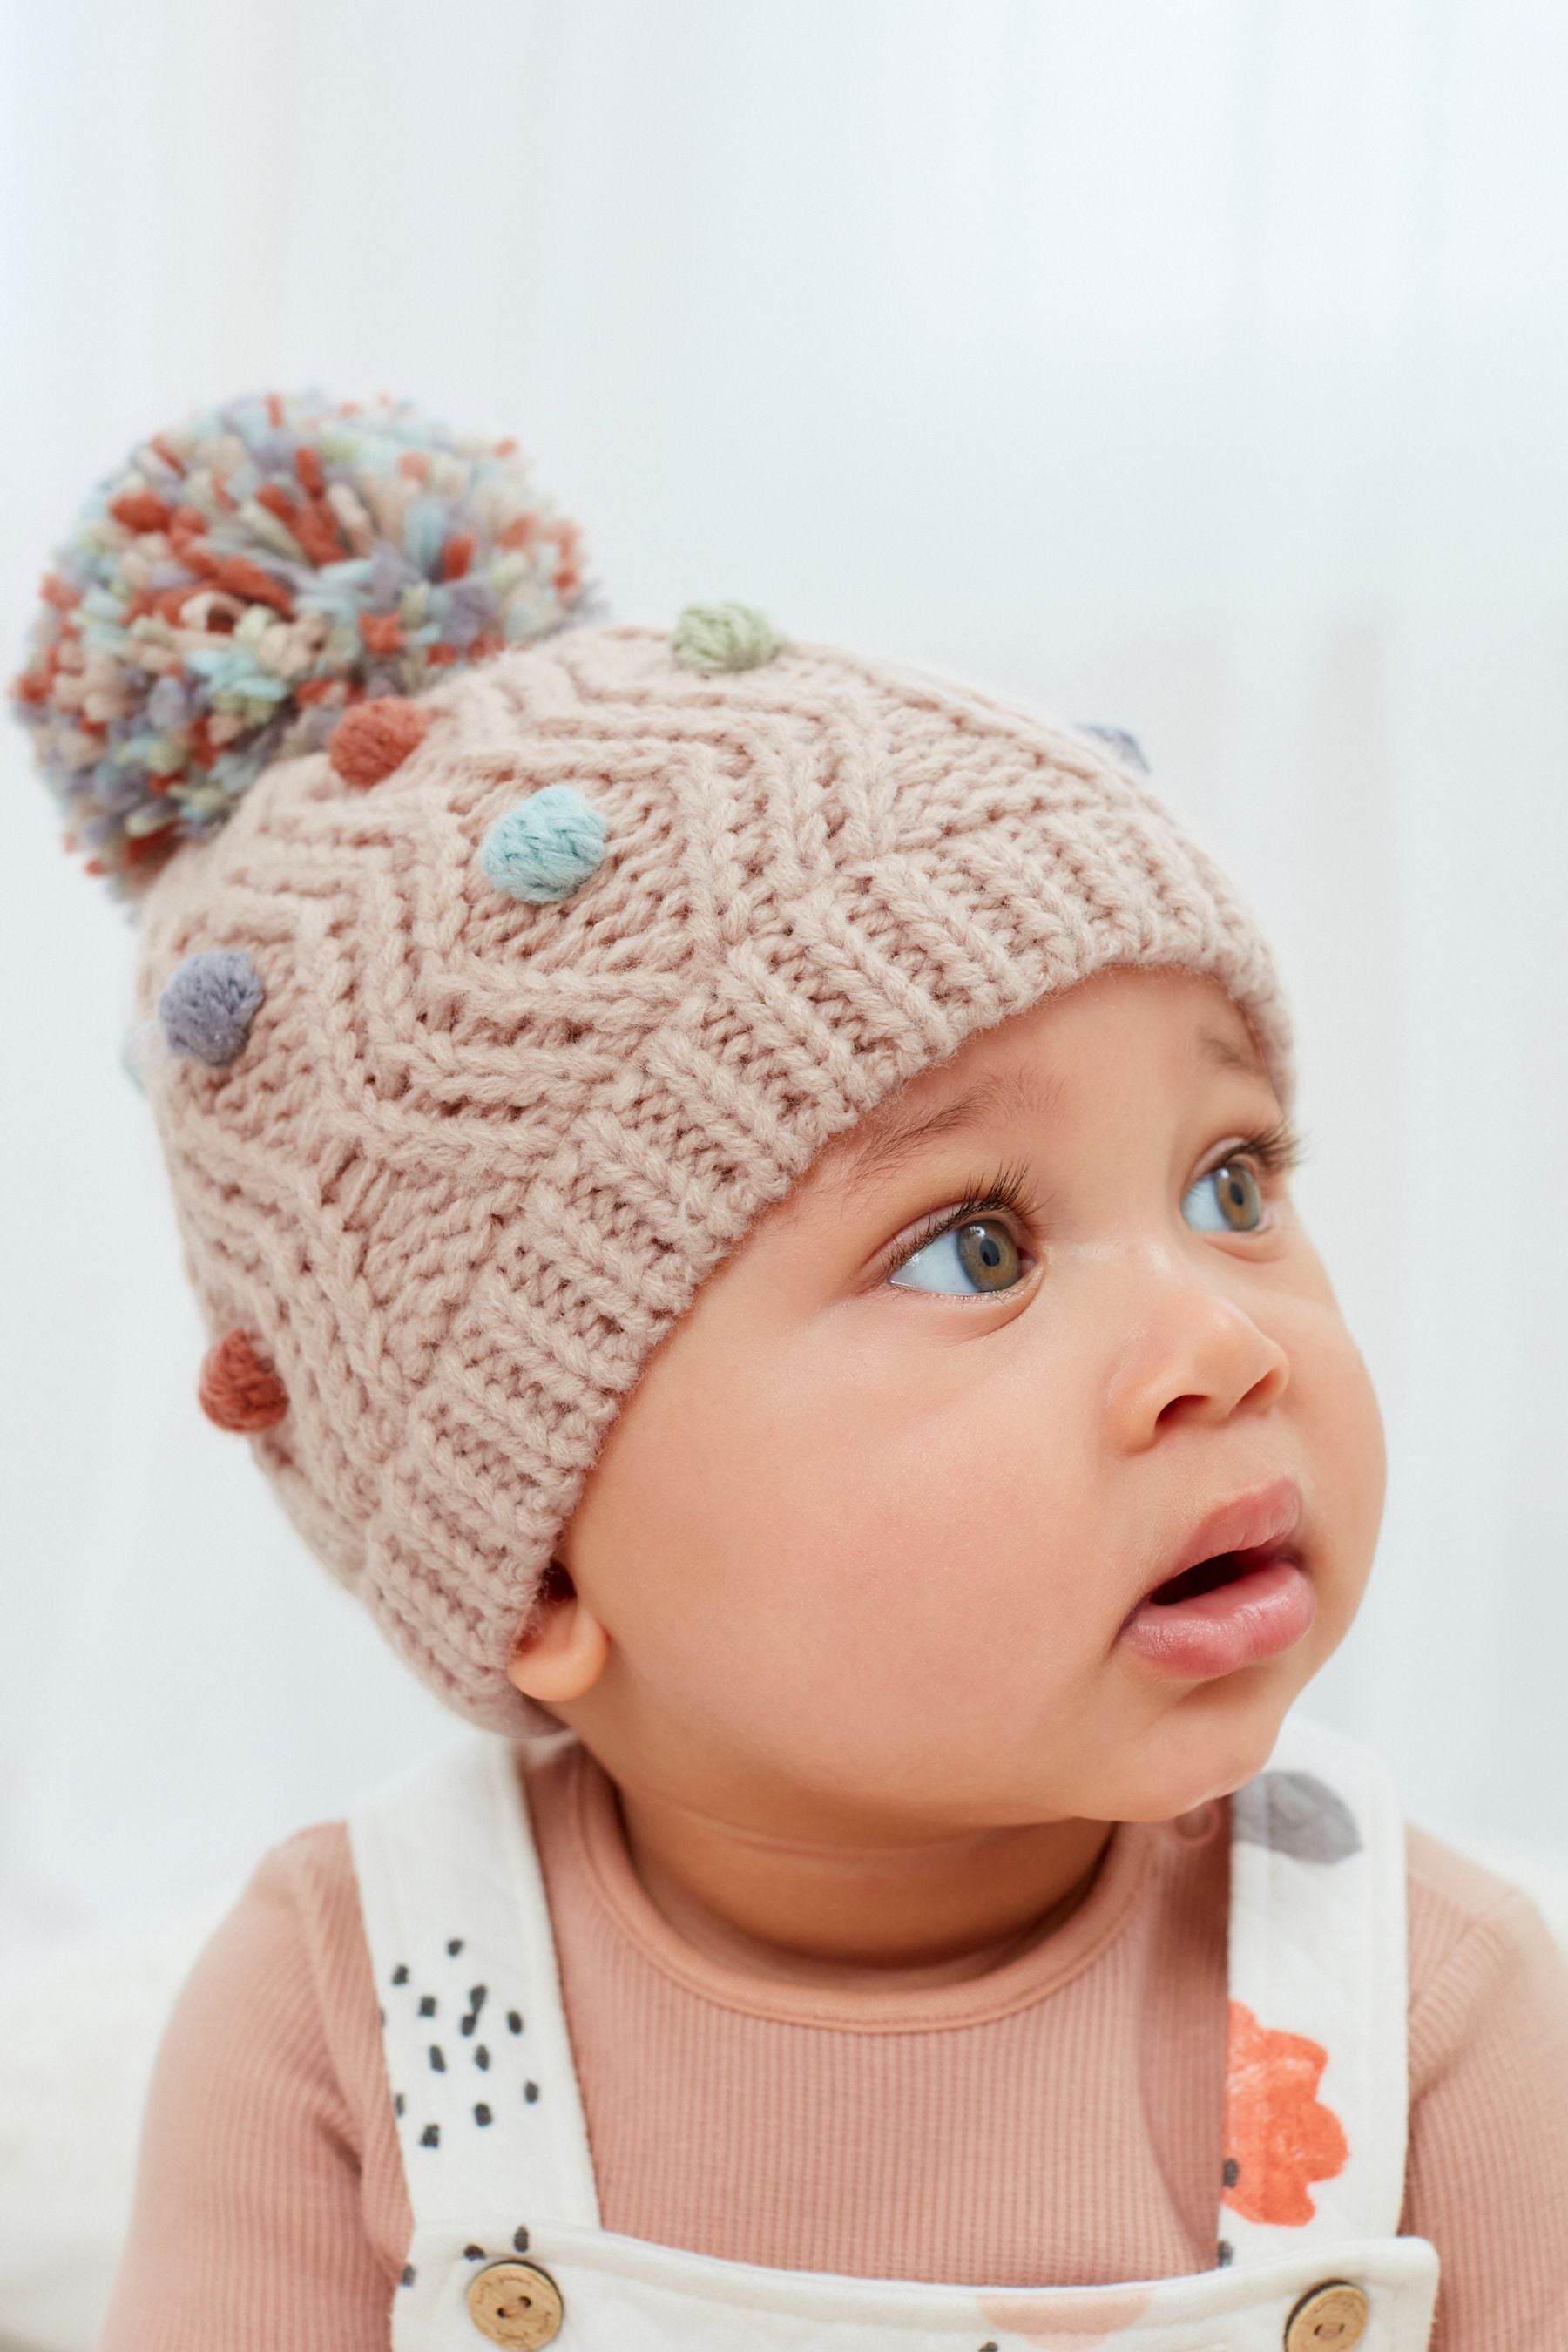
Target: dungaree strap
pixel 485 2091
pixel 1317 2073
pixel 473 2025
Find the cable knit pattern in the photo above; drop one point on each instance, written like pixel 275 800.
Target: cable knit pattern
pixel 478 1153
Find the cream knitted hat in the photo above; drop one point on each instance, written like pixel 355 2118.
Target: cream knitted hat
pixel 476 1039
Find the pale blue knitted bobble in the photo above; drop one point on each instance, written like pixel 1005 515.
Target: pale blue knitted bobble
pixel 207 1007
pixel 1125 746
pixel 546 846
pixel 137 1049
pixel 723 636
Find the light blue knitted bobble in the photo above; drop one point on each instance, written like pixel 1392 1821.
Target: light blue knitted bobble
pixel 207 1007
pixel 546 846
pixel 136 1048
pixel 723 636
pixel 1126 747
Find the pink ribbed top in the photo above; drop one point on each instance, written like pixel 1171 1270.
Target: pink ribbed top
pixel 1054 2121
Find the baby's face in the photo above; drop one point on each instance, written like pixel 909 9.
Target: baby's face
pixel 878 1524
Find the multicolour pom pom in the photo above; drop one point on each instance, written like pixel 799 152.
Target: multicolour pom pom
pixel 249 575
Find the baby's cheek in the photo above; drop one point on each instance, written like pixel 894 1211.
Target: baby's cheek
pixel 946 1566
pixel 848 1556
pixel 1336 1410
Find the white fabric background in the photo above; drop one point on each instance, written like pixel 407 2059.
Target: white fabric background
pixel 1202 369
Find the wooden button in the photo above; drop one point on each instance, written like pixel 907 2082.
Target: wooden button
pixel 518 2305
pixel 1333 2318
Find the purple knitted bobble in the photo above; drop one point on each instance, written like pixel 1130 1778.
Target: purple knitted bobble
pixel 208 1006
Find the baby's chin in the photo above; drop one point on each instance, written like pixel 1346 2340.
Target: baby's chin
pixel 1209 1743
pixel 1109 1762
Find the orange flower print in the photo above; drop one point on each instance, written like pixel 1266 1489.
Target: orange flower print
pixel 1279 2134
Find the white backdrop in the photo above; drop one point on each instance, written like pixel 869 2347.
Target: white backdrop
pixel 1198 367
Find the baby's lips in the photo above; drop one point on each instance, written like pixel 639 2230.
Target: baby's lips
pixel 1265 1611
pixel 1256 1601
pixel 1265 1520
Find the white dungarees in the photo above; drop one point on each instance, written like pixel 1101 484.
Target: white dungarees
pixel 507 2246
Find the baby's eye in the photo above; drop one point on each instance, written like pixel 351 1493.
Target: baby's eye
pixel 981 1253
pixel 1225 1201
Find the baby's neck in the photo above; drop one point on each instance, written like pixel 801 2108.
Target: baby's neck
pixel 874 1917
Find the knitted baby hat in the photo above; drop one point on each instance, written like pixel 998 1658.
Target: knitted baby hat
pixel 477 1035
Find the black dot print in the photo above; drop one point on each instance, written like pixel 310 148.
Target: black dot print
pixel 409 2275
pixel 1232 2173
pixel 1224 2252
pixel 519 2238
pixel 470 2005
pixel 473 2253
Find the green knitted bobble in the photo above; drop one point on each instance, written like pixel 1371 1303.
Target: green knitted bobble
pixel 723 636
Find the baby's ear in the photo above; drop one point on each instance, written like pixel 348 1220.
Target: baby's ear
pixel 561 1652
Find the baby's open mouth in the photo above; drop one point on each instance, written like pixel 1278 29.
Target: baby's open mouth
pixel 1244 1600
pixel 1223 1568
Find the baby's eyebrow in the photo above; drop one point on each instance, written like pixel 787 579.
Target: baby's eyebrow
pixel 893 1139
pixel 1226 1054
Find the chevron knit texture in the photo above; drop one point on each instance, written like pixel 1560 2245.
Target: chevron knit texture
pixel 477 1153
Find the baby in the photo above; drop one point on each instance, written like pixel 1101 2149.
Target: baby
pixel 741 1195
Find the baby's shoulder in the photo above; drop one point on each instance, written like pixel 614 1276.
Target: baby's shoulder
pixel 283 1981
pixel 1453 1898
pixel 299 1910
pixel 1478 1943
